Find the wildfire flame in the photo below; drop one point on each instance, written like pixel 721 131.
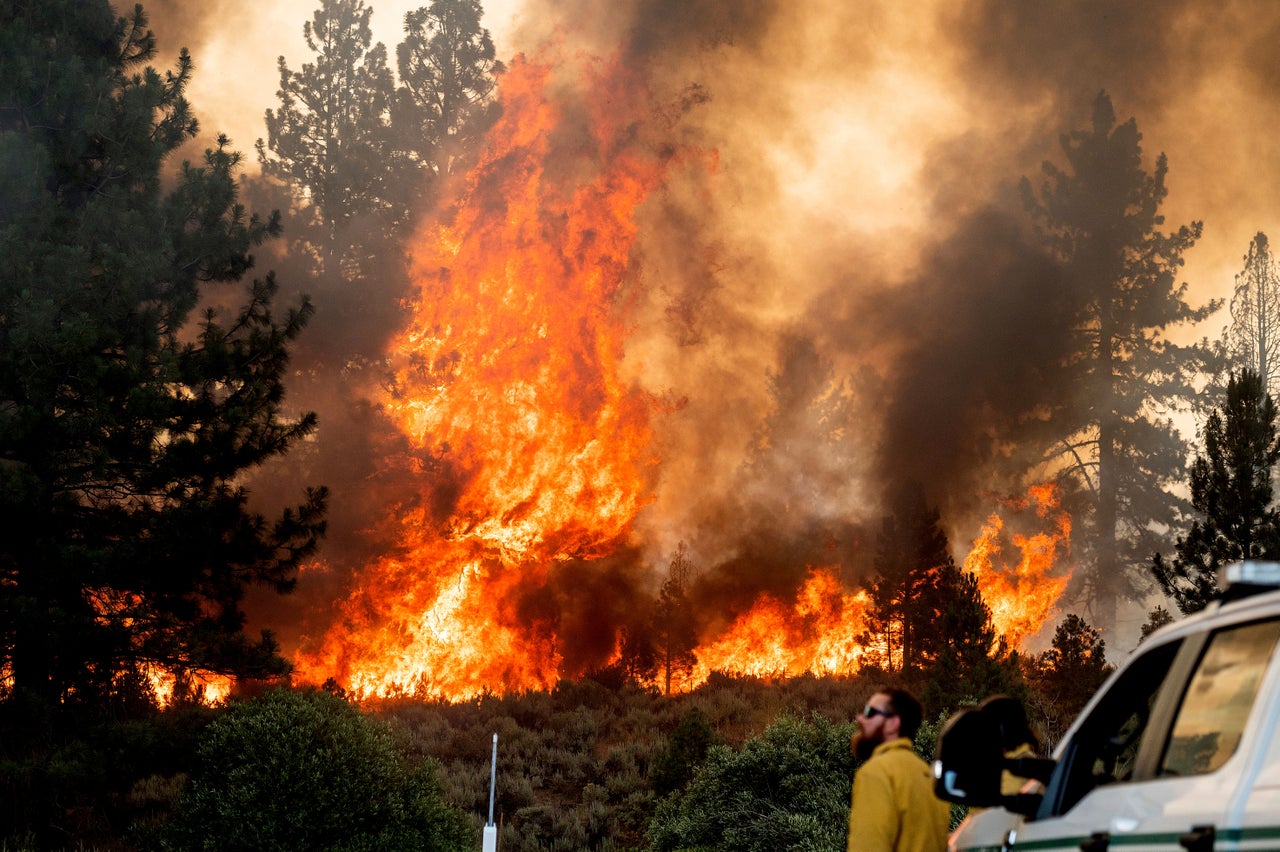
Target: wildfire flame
pixel 1023 596
pixel 813 634
pixel 507 385
pixel 121 608
pixel 509 377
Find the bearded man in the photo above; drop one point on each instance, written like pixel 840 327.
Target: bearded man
pixel 893 807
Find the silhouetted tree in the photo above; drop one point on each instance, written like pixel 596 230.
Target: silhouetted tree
pixel 914 578
pixel 1253 338
pixel 1232 494
pixel 675 627
pixel 448 76
pixel 1157 618
pixel 1100 219
pixel 330 139
pixel 1067 675
pixel 126 424
pixel 973 661
pixel 638 656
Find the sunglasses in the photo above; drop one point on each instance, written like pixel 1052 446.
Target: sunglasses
pixel 870 712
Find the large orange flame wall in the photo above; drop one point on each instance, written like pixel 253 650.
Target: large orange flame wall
pixel 507 385
pixel 508 375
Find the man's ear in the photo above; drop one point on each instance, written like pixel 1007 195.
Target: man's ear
pixel 892 727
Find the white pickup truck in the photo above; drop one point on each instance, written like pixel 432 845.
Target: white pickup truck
pixel 1179 749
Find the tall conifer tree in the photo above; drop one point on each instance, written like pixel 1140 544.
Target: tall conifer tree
pixel 1231 491
pixel 1100 218
pixel 125 423
pixel 1253 337
pixel 330 139
pixel 915 577
pixel 448 79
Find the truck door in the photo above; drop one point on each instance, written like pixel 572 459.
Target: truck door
pixel 1158 757
pixel 1254 813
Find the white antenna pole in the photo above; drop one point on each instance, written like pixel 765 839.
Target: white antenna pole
pixel 491 830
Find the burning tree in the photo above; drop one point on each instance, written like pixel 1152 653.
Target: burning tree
pixel 124 426
pixel 915 577
pixel 1099 220
pixel 675 627
pixel 359 150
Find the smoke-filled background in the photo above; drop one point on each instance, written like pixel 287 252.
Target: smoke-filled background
pixel 838 292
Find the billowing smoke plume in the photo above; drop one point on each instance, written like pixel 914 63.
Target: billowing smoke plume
pixel 848 298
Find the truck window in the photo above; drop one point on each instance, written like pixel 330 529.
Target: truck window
pixel 1212 714
pixel 1106 745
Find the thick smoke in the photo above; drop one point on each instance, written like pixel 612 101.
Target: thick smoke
pixel 848 298
pixel 922 293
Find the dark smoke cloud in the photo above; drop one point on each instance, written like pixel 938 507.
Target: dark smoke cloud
pixel 1067 50
pixel 983 335
pixel 951 333
pixel 583 604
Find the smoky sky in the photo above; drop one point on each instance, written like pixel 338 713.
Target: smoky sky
pixel 847 190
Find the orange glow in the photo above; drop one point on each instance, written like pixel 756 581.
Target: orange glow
pixel 813 634
pixel 508 377
pixel 120 608
pixel 203 687
pixel 1023 592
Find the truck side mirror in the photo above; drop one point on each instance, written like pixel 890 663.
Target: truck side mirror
pixel 969 761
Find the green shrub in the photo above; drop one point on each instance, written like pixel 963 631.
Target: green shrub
pixel 786 789
pixel 308 771
pixel 688 747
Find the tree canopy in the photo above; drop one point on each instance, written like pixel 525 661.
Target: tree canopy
pixel 915 578
pixel 361 152
pixel 1231 490
pixel 129 403
pixel 1066 676
pixel 448 76
pixel 330 138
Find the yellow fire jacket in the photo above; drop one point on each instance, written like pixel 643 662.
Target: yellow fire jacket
pixel 893 807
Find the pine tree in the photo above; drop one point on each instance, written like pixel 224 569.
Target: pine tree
pixel 124 425
pixel 1157 618
pixel 1253 338
pixel 1231 491
pixel 675 627
pixel 914 576
pixel 331 138
pixel 973 661
pixel 1100 219
pixel 1067 675
pixel 448 77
